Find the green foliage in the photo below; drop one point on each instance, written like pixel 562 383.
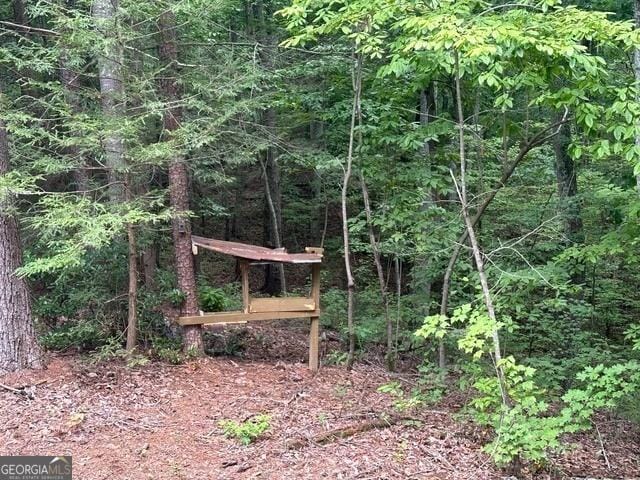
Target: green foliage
pixel 428 390
pixel 212 299
pixel 83 335
pixel 112 350
pixel 248 431
pixel 168 350
pixel 633 336
pixel 335 357
pixel 176 297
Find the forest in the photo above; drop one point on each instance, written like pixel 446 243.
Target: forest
pixel 469 171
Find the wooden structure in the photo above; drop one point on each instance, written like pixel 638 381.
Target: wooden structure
pixel 274 308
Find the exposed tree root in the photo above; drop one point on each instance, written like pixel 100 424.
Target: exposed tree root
pixel 344 432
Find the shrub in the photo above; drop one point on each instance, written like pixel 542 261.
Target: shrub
pixel 212 299
pixel 168 350
pixel 83 335
pixel 247 431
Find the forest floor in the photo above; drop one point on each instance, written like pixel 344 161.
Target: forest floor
pixel 159 421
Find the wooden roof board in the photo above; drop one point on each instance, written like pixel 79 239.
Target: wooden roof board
pixel 254 252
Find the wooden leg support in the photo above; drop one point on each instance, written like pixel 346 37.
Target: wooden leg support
pixel 314 340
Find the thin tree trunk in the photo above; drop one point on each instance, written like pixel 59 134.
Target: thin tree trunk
pixel 132 316
pixel 19 13
pixel 274 231
pixel 538 139
pixel 274 275
pixel 475 246
pixel 427 102
pixel 178 184
pixel 71 84
pixel 112 99
pixel 357 88
pixel 567 181
pixel 111 93
pixel 18 345
pixel 390 357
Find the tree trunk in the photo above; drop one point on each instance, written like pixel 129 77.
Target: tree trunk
pixel 71 84
pixel 19 13
pixel 112 99
pixel 132 313
pixel 351 285
pixel 111 93
pixel 390 357
pixel 274 281
pixel 18 346
pixel 475 246
pixel 178 183
pixel 427 109
pixel 71 87
pixel 538 139
pixel 150 265
pixel 567 181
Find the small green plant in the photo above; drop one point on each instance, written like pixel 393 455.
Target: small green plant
pixel 134 361
pixel 168 350
pixel 336 357
pixel 404 401
pixel 83 335
pixel 176 297
pixel 341 390
pixel 212 299
pixel 248 431
pixel 109 351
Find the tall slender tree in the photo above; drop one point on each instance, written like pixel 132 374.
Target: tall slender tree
pixel 110 62
pixel 178 180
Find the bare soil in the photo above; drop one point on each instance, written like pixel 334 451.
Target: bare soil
pixel 162 422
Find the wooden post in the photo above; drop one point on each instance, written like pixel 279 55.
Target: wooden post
pixel 314 335
pixel 244 272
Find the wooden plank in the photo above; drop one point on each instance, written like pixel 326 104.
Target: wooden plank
pixel 222 324
pixel 315 284
pixel 314 334
pixel 244 272
pixel 229 317
pixel 283 304
pixel 314 341
pixel 253 252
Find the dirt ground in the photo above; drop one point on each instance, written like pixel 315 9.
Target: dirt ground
pixel 162 422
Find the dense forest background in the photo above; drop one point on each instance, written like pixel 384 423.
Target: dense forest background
pixel 471 168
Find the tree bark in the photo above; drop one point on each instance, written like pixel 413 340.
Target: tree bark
pixel 427 106
pixel 112 99
pixel 178 183
pixel 351 285
pixel 71 85
pixel 567 181
pixel 18 345
pixel 111 93
pixel 132 312
pixel 390 357
pixel 475 246
pixel 274 282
